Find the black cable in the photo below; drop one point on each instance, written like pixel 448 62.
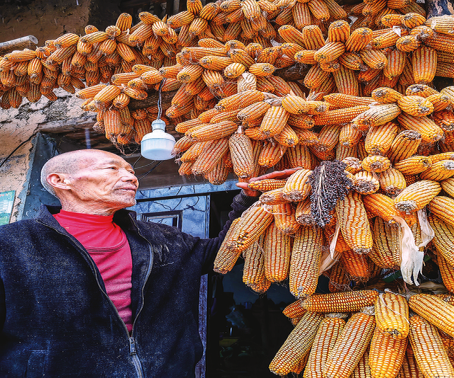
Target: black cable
pixel 19 146
pixel 160 98
pixel 151 170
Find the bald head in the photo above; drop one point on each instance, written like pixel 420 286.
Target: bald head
pixel 69 163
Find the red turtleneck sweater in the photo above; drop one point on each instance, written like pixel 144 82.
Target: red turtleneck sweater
pixel 109 248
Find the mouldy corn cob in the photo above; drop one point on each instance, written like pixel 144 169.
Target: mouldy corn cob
pixel 297 345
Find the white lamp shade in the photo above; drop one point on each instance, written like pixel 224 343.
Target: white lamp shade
pixel 157 145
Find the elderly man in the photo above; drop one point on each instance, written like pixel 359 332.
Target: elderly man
pixel 89 291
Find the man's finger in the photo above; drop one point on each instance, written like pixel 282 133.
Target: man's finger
pixel 277 174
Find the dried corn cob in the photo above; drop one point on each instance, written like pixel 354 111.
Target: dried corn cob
pixel 391 315
pixel 415 196
pixel 443 239
pixel 297 345
pixel 210 156
pixel 386 249
pixel 297 187
pixel 340 302
pixel 254 263
pixel 350 346
pixel 439 171
pixel 354 223
pixel 365 183
pixel 424 338
pixel 253 223
pixel 413 165
pixel 277 250
pixel 325 339
pixel 338 116
pixel 386 354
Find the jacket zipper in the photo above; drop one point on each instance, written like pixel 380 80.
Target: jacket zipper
pixel 132 342
pixel 135 357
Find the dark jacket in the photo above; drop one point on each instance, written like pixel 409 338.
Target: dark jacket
pixel 57 320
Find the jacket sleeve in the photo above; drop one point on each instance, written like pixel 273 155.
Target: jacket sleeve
pixel 2 305
pixel 208 248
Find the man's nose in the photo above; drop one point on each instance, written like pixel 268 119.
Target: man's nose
pixel 128 176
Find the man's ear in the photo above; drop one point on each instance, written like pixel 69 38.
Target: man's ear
pixel 59 181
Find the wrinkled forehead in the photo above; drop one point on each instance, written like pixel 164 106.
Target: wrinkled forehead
pixel 100 158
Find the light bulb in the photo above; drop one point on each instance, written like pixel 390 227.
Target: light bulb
pixel 158 144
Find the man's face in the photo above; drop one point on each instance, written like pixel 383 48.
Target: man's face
pixel 105 180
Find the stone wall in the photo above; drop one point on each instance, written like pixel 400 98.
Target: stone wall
pixel 20 125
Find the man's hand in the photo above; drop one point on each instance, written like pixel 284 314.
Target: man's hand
pixel 277 175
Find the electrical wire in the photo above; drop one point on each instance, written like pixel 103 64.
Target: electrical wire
pixel 151 170
pixel 19 146
pixel 160 98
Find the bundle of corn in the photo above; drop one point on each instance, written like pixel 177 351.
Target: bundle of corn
pixel 366 229
pixel 379 341
pixel 197 54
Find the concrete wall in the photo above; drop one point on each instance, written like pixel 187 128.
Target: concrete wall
pixel 20 125
pixel 48 19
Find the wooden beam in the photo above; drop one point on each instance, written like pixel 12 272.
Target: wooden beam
pixel 152 100
pixel 68 125
pixel 437 8
pixel 293 73
pixel 28 42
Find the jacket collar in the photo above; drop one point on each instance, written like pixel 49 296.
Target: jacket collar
pixel 124 218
